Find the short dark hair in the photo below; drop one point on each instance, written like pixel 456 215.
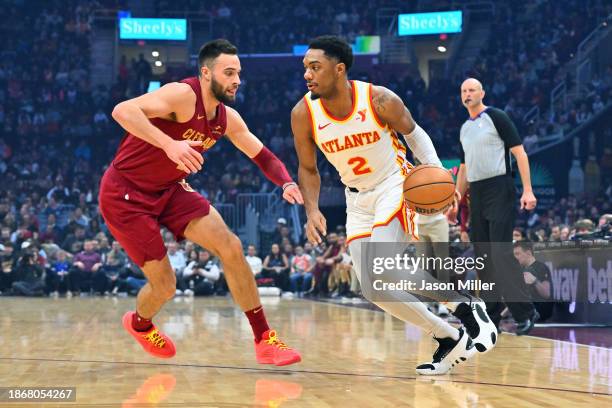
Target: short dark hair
pixel 334 47
pixel 525 245
pixel 212 49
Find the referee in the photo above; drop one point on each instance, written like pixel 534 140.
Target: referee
pixel 487 138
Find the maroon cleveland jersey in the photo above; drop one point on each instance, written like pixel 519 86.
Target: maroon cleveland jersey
pixel 148 166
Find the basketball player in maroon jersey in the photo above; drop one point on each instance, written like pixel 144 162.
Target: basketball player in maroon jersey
pixel 144 188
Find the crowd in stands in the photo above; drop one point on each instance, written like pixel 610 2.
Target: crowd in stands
pixel 56 136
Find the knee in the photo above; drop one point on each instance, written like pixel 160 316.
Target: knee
pixel 229 247
pixel 165 288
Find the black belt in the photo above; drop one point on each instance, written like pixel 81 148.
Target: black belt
pixel 353 190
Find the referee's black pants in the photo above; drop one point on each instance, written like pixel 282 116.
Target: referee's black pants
pixel 492 217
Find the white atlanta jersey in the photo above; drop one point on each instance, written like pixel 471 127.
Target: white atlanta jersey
pixel 370 158
pixel 359 146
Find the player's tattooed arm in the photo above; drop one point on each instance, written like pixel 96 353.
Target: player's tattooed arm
pixel 391 110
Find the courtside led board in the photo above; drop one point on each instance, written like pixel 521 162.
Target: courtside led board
pixel 153 29
pixel 430 23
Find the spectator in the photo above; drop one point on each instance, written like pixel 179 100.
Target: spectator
pixel 57 278
pixel 115 264
pixel 583 227
pixel 253 260
pixel 301 271
pixel 28 275
pixel 201 276
pixel 86 273
pixel 177 259
pixel 276 266
pixel 517 235
pixel 74 241
pixel 536 276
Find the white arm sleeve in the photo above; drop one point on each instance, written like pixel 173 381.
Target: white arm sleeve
pixel 421 145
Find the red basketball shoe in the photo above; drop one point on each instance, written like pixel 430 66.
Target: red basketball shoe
pixel 270 350
pixel 152 341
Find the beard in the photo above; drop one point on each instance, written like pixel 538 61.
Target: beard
pixel 314 96
pixel 219 92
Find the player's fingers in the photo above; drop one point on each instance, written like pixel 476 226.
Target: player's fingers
pixel 193 159
pixel 182 167
pixel 299 198
pixel 287 196
pixel 191 166
pixel 316 238
pixel 196 158
pixel 297 195
pixel 194 142
pixel 312 236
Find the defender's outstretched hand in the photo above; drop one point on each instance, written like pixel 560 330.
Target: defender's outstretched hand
pixel 292 193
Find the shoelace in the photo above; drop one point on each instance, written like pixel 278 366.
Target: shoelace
pixel 155 338
pixel 273 340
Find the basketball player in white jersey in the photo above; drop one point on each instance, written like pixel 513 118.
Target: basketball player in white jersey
pixel 354 124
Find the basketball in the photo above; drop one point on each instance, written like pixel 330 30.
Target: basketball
pixel 429 189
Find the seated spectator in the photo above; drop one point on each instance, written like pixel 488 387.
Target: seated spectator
pixel 565 233
pixel 341 273
pixel 86 273
pixel 28 275
pixel 6 266
pixel 114 264
pixel 74 241
pixel 319 275
pixel 517 235
pixel 57 278
pixel 555 234
pixel 134 280
pixel 301 271
pixel 177 259
pixel 583 227
pixel 253 260
pixel 276 266
pixel 604 220
pixel 537 277
pixel 200 277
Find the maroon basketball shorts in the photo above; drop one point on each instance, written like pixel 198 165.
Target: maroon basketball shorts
pixel 135 217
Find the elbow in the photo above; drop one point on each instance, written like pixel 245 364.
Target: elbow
pixel 308 170
pixel 120 112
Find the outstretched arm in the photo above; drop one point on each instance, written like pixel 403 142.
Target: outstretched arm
pixel 308 174
pixel 240 135
pixel 392 111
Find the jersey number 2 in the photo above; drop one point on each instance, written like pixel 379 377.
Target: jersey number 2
pixel 359 165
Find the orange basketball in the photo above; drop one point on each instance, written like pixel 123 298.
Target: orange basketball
pixel 429 189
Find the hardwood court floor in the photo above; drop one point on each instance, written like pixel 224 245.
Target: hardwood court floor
pixel 351 358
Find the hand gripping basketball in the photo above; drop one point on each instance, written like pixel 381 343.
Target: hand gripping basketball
pixel 429 189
